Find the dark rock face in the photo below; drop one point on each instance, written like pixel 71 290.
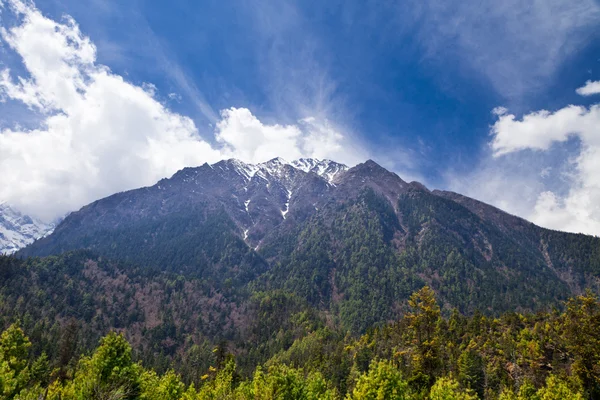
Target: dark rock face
pixel 357 240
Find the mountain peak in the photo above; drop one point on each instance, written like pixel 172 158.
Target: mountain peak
pixel 275 161
pixel 372 165
pixel 371 168
pixel 326 169
pixel 18 230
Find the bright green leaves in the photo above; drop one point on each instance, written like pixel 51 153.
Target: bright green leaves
pixel 166 387
pixel 14 360
pixel 424 325
pixel 582 330
pixel 281 382
pixel 14 348
pixel 555 389
pixel 448 389
pixel 109 372
pixel 383 381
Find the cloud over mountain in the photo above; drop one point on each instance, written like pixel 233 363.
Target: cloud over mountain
pixel 577 210
pixel 101 134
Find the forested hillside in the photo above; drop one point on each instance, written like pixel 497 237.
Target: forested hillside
pixel 354 242
pixel 300 281
pixel 549 356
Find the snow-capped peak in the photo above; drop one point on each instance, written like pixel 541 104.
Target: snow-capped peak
pixel 247 170
pixel 305 164
pixel 326 169
pixel 274 166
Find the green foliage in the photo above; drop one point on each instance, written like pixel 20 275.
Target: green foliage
pixel 447 389
pixel 383 381
pixel 166 387
pixel 582 327
pixel 109 371
pixel 557 390
pixel 14 368
pixel 491 358
pixel 184 335
pixel 281 382
pixel 424 326
pixel 471 372
pixel 14 348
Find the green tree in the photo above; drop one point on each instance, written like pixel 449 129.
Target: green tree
pixel 221 386
pixel 448 389
pixel 383 381
pixel 285 383
pixel 582 325
pixel 557 390
pixel 423 323
pixel 108 373
pixel 470 370
pixel 166 387
pixel 14 348
pixel 14 360
pixel 526 392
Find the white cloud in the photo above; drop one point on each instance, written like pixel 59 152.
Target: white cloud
pixel 538 130
pixel 590 88
pixel 101 134
pixel 511 183
pixel 245 137
pixel 577 210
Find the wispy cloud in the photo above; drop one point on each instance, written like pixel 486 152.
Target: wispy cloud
pixel 101 134
pixel 293 65
pixel 516 45
pixel 176 73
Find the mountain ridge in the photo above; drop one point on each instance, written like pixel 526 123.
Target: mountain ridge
pixel 356 241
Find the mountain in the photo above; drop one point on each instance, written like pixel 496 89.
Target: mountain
pixel 352 242
pixel 199 215
pixel 18 230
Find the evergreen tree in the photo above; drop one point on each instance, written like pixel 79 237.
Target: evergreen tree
pixel 423 322
pixel 383 381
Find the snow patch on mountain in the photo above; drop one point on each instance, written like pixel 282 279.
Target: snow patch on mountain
pixel 326 169
pixel 246 170
pixel 287 204
pixel 18 230
pixel 276 167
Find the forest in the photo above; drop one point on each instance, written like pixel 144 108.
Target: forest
pixel 366 299
pixel 423 355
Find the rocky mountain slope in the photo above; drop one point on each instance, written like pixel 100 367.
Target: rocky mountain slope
pixel 18 230
pixel 354 242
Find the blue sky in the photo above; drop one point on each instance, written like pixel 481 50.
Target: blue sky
pixel 411 84
pixel 376 71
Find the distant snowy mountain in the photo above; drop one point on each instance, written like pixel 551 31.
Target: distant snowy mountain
pixel 18 230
